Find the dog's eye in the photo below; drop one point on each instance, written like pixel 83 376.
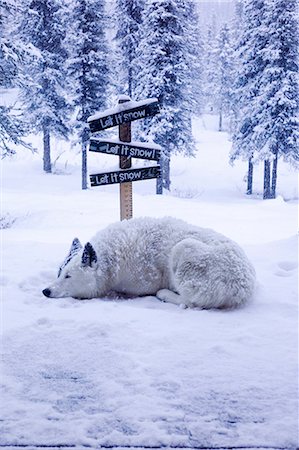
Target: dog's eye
pixel 67 276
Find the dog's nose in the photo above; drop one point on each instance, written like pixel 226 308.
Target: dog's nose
pixel 47 292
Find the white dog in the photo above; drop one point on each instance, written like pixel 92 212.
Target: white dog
pixel 177 262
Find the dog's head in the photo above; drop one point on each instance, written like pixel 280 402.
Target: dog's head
pixel 76 275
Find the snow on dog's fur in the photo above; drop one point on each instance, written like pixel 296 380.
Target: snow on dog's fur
pixel 177 262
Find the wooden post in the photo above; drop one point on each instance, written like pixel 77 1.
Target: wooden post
pixel 125 189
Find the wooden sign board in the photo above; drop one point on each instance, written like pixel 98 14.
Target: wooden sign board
pixel 124 176
pixel 128 115
pixel 123 149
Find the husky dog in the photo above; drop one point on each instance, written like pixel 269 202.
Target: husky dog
pixel 175 261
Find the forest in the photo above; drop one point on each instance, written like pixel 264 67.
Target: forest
pixel 73 58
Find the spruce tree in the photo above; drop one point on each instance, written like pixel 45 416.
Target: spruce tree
pixel 236 31
pixel 225 74
pixel 12 131
pixel 268 87
pixel 128 16
pixel 88 71
pixel 8 54
pixel 42 92
pixel 164 73
pixel 278 130
pixel 253 37
pixel 211 70
pixel 195 61
pixel 12 127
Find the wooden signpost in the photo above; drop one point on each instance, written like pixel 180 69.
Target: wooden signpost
pixel 122 116
pixel 125 190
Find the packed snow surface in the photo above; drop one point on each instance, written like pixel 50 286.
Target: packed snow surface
pixel 138 372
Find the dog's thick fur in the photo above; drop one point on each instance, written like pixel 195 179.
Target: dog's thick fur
pixel 177 262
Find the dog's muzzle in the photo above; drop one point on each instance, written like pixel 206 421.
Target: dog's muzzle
pixel 47 292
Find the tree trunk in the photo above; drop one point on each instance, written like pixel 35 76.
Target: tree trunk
pixel 130 82
pixel 220 120
pixel 84 135
pixel 267 177
pixel 250 177
pixel 84 163
pixel 159 182
pixel 274 175
pixel 47 149
pixel 166 172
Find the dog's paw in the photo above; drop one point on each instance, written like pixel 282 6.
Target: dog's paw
pixel 168 296
pixel 162 295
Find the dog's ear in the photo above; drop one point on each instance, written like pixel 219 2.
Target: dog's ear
pixel 89 256
pixel 75 248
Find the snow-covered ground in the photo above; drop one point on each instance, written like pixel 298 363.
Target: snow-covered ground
pixel 138 372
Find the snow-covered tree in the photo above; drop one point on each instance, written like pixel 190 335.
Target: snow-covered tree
pixel 211 73
pixel 42 93
pixel 195 48
pixel 225 56
pixel 87 67
pixel 164 73
pixel 268 87
pixel 8 55
pixel 12 127
pixel 218 71
pixel 253 37
pixel 237 24
pixel 128 15
pixel 277 133
pixel 12 131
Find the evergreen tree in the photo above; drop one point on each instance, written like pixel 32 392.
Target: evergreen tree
pixel 211 72
pixel 195 48
pixel 236 32
pixel 128 21
pixel 12 127
pixel 8 53
pixel 45 107
pixel 87 67
pixel 12 131
pixel 225 74
pixel 253 37
pixel 278 129
pixel 268 87
pixel 219 71
pixel 164 73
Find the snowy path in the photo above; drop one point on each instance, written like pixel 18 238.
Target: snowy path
pixel 121 373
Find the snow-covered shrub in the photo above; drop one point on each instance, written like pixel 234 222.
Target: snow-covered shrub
pixel 6 221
